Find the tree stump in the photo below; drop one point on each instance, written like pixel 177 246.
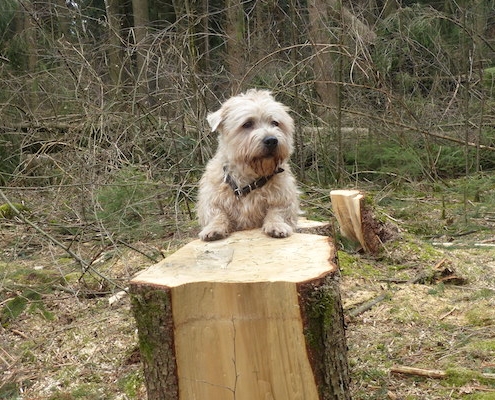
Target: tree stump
pixel 357 221
pixel 246 318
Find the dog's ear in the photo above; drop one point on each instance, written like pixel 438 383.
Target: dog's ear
pixel 214 119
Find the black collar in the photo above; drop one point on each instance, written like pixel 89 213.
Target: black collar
pixel 258 183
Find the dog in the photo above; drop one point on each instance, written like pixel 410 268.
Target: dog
pixel 248 183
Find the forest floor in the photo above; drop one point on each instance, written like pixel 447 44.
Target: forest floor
pixel 65 335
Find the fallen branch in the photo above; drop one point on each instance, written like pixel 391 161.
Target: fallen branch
pixel 428 373
pixel 431 373
pixel 368 305
pixel 447 314
pixel 441 273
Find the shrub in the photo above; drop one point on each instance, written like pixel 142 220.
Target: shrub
pixel 127 203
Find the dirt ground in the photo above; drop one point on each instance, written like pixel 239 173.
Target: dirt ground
pixel 62 338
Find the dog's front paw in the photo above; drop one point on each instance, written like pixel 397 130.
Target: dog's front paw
pixel 211 233
pixel 277 230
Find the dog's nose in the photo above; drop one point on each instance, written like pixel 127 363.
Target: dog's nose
pixel 270 142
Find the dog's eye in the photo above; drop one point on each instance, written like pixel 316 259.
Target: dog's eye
pixel 248 124
pixel 275 123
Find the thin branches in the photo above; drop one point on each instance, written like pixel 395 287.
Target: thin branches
pixel 85 265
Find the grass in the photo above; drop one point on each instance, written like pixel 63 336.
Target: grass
pixel 433 326
pixel 62 340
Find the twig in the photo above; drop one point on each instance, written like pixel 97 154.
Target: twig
pixel 7 359
pixel 447 314
pixel 19 333
pixel 440 263
pixel 368 305
pixel 137 250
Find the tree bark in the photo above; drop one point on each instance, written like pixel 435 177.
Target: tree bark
pixel 324 61
pixel 141 20
pixel 115 59
pixel 235 30
pixel 248 317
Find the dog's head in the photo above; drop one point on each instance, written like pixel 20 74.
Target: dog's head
pixel 256 132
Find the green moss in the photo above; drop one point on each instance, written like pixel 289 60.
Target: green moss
pixel 28 276
pixel 39 307
pixel 324 307
pixel 17 305
pixel 354 266
pixel 323 324
pixel 10 390
pixel 479 396
pixel 146 348
pixel 65 260
pixel 28 355
pixel 89 391
pixel 483 348
pixel 484 293
pixel 131 383
pixel 437 290
pixel 72 277
pixel 489 75
pixel 61 396
pixel 150 311
pixel 462 376
pixel 480 316
pixel 12 309
pixel 28 301
pixel 8 212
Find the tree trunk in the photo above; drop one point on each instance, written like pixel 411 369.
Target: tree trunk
pixel 26 26
pixel 248 317
pixel 115 59
pixel 324 61
pixel 141 20
pixel 234 30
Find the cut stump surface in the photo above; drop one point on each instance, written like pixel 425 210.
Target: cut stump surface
pixel 248 317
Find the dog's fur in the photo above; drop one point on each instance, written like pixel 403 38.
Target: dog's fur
pixel 255 141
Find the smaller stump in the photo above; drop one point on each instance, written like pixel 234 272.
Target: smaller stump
pixel 357 222
pixel 248 317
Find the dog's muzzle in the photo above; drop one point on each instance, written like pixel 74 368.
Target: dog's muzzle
pixel 270 143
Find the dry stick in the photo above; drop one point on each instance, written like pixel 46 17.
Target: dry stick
pixel 137 250
pixel 428 373
pixel 368 305
pixel 447 314
pixel 440 263
pixel 83 263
